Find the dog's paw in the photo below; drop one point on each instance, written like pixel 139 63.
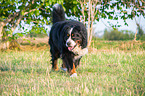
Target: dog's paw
pixel 64 69
pixel 74 75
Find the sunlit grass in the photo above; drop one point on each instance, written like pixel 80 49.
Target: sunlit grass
pixel 100 73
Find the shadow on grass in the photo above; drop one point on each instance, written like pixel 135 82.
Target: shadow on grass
pixel 25 70
pixel 36 71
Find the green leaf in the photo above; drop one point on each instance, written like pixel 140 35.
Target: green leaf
pixel 110 17
pixel 118 25
pixel 115 18
pixel 126 24
pixel 37 12
pixel 42 0
pixel 28 21
pixel 22 13
pixel 75 2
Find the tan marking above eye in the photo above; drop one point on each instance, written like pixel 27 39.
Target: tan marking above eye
pixel 72 34
pixel 68 35
pixel 78 41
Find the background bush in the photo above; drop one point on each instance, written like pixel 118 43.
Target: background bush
pixel 118 35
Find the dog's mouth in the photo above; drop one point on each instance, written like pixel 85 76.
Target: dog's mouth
pixel 70 48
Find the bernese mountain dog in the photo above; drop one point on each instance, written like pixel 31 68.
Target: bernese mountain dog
pixel 67 40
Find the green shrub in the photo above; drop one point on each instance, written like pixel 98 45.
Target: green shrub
pixel 118 35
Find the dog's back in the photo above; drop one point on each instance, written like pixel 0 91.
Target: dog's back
pixel 58 14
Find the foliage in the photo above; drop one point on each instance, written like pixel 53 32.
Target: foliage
pixel 142 37
pixel 118 35
pixel 140 34
pixel 88 11
pixel 105 9
pixel 13 12
pixel 37 32
pixel 30 10
pixel 91 11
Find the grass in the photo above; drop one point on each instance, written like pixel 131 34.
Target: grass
pixel 119 45
pixel 104 73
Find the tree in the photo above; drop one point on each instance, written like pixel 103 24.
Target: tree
pixel 138 7
pixel 13 12
pixel 10 16
pixel 36 11
pixel 91 16
pixel 90 11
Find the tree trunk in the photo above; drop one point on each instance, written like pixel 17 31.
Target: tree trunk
pixel 4 35
pixel 92 11
pixel 137 24
pixel 89 31
pixel 135 34
pixel 8 20
pixel 1 29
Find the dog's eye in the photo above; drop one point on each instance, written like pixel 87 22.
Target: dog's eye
pixel 68 35
pixel 72 34
pixel 78 41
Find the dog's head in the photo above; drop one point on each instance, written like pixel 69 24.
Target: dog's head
pixel 73 37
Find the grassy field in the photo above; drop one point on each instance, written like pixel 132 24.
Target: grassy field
pixel 101 72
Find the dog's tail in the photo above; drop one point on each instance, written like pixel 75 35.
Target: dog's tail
pixel 58 13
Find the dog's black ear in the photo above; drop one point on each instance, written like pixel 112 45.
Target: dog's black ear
pixel 85 36
pixel 82 30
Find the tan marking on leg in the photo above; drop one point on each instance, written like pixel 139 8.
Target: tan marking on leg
pixel 73 70
pixel 55 68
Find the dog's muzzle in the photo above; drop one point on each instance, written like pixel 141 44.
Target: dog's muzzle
pixel 70 48
pixel 70 44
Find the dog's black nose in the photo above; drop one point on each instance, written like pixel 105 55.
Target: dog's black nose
pixel 68 43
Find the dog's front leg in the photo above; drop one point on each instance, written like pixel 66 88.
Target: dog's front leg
pixel 68 61
pixel 73 71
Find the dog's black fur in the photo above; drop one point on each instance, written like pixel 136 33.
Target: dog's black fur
pixel 60 46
